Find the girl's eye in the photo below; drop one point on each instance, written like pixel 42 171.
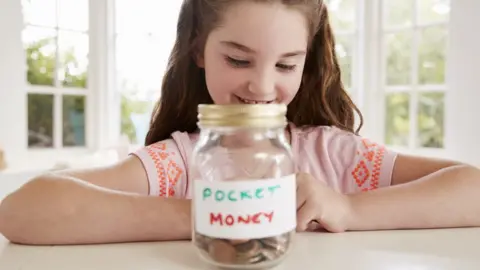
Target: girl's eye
pixel 286 67
pixel 237 63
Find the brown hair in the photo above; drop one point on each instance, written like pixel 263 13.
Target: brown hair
pixel 321 99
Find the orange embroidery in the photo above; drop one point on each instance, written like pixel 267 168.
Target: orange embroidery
pixel 369 155
pixel 361 173
pixel 174 172
pixel 369 166
pixel 167 177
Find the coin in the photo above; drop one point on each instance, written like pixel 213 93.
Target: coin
pixel 247 248
pixel 242 252
pixel 222 252
pixel 271 255
pixel 248 252
pixel 277 243
pixel 238 241
pixel 201 241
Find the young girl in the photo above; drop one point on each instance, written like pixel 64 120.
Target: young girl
pixel 226 52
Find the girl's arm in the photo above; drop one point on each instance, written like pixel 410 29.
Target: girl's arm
pixel 95 206
pixel 425 193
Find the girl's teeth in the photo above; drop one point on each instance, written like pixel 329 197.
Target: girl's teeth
pixel 253 101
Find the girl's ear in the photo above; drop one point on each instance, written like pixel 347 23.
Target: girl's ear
pixel 199 60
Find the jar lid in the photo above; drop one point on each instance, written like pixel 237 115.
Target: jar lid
pixel 242 115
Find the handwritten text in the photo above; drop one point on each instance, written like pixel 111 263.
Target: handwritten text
pixel 236 195
pixel 231 220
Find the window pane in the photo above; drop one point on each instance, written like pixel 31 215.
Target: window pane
pixel 432 49
pixel 398 13
pixel 430 11
pixel 73 14
pixel 342 14
pixel 40 12
pixel 431 120
pixel 397 119
pixel 344 51
pixel 399 58
pixel 141 61
pixel 40 120
pixel 135 117
pixel 146 16
pixel 74 121
pixel 73 55
pixel 40 49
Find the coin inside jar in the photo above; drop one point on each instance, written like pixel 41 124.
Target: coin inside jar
pixel 278 244
pixel 222 252
pixel 243 252
pixel 238 241
pixel 202 241
pixel 270 255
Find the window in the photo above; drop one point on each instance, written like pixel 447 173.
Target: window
pixel 344 17
pixel 145 34
pixel 414 40
pixel 56 44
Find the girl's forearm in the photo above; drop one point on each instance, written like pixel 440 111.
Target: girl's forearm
pixel 447 198
pixel 68 211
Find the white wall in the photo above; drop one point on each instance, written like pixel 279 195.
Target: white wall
pixel 13 116
pixel 463 79
pixel 13 95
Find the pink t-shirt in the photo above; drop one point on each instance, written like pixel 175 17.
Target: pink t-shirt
pixel 344 161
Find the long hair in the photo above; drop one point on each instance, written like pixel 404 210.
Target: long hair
pixel 320 101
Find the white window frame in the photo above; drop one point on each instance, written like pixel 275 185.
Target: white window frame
pixel 59 92
pixel 375 90
pixel 147 94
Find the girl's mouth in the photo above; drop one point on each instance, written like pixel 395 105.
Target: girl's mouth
pixel 251 101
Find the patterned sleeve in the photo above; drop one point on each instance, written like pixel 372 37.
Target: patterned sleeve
pixel 372 165
pixel 350 163
pixel 165 168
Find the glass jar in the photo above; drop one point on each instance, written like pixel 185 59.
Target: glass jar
pixel 244 189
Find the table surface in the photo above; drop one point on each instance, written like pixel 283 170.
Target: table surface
pixel 386 250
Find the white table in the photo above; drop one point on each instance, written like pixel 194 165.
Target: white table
pixel 455 249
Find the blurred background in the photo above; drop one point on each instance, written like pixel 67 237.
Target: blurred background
pixel 78 78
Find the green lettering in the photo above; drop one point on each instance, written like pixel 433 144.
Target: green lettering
pixel 258 193
pixel 207 192
pixel 219 195
pixel 273 188
pixel 245 195
pixel 231 197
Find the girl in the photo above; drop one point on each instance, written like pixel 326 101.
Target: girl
pixel 230 51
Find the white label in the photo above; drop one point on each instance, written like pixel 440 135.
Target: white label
pixel 245 209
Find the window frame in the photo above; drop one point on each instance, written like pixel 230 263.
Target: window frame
pixel 380 89
pixel 58 91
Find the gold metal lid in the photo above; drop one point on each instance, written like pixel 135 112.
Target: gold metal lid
pixel 242 115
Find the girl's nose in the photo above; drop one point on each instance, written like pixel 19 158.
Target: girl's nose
pixel 262 85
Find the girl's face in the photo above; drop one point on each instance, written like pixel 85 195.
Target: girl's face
pixel 256 55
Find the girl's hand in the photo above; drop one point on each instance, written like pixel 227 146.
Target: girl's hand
pixel 319 206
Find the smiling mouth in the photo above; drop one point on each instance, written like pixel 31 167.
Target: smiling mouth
pixel 251 101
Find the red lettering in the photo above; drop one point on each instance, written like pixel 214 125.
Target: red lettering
pixel 229 220
pixel 256 218
pixel 269 216
pixel 216 218
pixel 245 220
